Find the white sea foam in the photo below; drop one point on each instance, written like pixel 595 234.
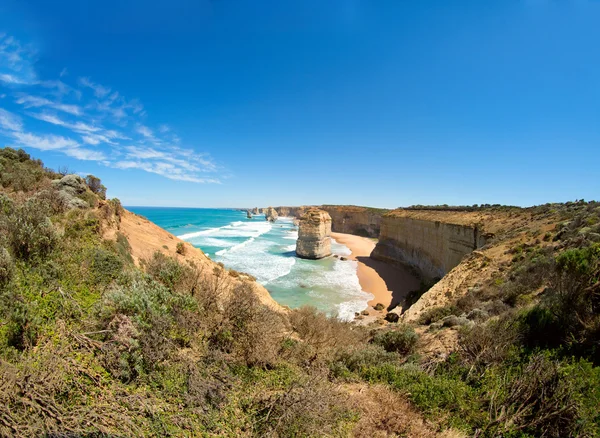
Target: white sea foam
pixel 254 258
pixel 339 249
pixel 188 236
pixel 235 229
pixel 291 235
pixel 235 247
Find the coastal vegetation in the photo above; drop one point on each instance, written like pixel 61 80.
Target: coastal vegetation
pixel 94 342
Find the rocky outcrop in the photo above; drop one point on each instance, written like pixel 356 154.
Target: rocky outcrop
pixel 314 241
pixel 270 214
pixel 430 243
pixel 248 214
pixel 70 187
pixel 295 212
pixel 361 221
pixel 256 211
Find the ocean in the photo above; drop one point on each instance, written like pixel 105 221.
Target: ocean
pixel 267 251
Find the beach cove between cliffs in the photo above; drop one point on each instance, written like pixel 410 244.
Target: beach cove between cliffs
pixel 341 284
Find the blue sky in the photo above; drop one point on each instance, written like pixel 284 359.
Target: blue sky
pixel 229 103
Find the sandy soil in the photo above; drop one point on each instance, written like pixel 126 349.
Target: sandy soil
pixel 146 238
pixel 389 284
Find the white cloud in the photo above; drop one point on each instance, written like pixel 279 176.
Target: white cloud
pixel 93 140
pixel 11 79
pixel 100 121
pixel 10 121
pixel 145 131
pixel 36 101
pixel 16 62
pixel 99 90
pixel 85 154
pixel 79 127
pixel 167 170
pixel 44 142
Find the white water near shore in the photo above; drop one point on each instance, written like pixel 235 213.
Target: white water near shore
pixel 267 251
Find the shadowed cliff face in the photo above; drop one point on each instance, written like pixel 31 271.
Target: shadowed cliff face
pixel 432 248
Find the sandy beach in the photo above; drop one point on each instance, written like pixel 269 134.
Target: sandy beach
pixel 389 284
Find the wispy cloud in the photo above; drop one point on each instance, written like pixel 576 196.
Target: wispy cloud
pixel 87 120
pixel 36 101
pixel 12 127
pixel 99 90
pixel 145 131
pixel 10 121
pixel 16 62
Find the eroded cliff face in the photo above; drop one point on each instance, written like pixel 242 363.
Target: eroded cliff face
pixel 362 221
pixel 270 214
pixel 296 212
pixel 314 231
pixel 429 242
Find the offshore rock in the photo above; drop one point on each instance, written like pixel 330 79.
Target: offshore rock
pixel 248 214
pixel 314 241
pixel 270 214
pixel 256 211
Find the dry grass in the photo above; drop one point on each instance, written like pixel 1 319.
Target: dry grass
pixel 385 413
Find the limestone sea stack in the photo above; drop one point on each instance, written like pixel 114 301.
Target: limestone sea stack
pixel 248 214
pixel 270 214
pixel 255 211
pixel 314 235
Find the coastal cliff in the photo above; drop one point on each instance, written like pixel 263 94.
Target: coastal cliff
pixel 430 242
pixel 270 214
pixel 314 241
pixel 295 212
pixel 349 219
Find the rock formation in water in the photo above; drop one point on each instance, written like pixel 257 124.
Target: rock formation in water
pixel 256 211
pixel 270 214
pixel 314 241
pixel 248 214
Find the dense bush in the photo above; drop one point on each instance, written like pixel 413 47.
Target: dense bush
pixel 96 186
pixel 7 268
pixel 30 231
pixel 401 340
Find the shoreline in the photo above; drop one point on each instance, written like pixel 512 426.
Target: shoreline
pixel 389 284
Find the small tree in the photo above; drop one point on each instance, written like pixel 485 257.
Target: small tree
pixel 96 186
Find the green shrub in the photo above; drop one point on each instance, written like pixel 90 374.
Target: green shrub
pixel 357 359
pixel 30 232
pixel 402 340
pixel 7 268
pixel 543 397
pixel 434 395
pixel 96 186
pixel 105 266
pixel 167 270
pixel 180 248
pixel 435 314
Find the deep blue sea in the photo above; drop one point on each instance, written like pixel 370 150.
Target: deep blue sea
pixel 267 251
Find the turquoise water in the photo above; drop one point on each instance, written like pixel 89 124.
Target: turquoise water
pixel 267 251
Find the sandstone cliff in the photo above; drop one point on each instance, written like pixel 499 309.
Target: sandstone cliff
pixel 314 241
pixel 431 242
pixel 296 212
pixel 362 221
pixel 270 214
